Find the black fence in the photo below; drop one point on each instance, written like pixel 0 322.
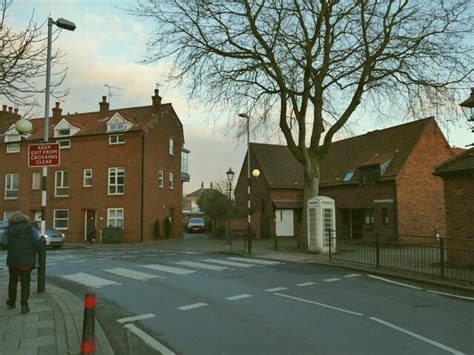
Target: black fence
pixel 449 258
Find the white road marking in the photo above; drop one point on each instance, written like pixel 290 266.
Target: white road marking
pixel 89 280
pixel 394 282
pixel 170 269
pixel 238 297
pixel 319 304
pixel 127 256
pixel 276 289
pixel 351 275
pixel 153 343
pixel 134 318
pixel 255 261
pixel 228 263
pixel 452 295
pixel 131 274
pixel 152 255
pixel 50 264
pixel 78 261
pixel 201 265
pixel 192 306
pixel 304 284
pixel 418 336
pixel 191 252
pixel 104 259
pixel 332 280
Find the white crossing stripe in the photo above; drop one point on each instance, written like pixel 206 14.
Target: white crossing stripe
pixel 170 269
pixel 255 261
pixel 304 284
pixel 152 342
pixel 201 265
pixel 394 282
pixel 228 263
pixel 77 261
pixel 275 289
pixel 192 306
pixel 134 318
pixel 89 280
pixel 238 297
pixel 131 274
pixel 351 275
pixel 332 280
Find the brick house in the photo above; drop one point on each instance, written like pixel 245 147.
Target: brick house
pixel 381 182
pixel 121 167
pixel 458 179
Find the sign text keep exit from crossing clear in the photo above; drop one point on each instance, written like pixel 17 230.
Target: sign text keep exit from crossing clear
pixel 46 154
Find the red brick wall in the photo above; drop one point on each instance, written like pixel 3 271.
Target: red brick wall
pixel 459 197
pixel 420 194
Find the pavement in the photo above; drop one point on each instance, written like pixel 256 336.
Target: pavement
pixel 54 324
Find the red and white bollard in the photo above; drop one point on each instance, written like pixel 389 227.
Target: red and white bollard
pixel 88 325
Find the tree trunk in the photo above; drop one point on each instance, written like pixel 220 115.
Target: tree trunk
pixel 310 190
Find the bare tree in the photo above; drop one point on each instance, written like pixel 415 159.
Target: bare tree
pixel 313 62
pixel 23 61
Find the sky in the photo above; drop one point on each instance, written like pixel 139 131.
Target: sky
pixel 107 48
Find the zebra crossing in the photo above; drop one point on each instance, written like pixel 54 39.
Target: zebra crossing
pixel 186 267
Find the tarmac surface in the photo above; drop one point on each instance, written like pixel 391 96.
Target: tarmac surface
pixel 54 324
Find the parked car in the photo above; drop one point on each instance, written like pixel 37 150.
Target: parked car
pixel 196 225
pixel 54 238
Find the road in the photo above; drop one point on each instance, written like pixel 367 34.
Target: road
pixel 187 302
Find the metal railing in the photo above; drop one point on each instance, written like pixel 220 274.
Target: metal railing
pixel 450 258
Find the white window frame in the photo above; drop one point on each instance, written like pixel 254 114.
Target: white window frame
pixel 171 180
pixel 114 185
pixel 11 186
pixel 117 139
pixel 171 146
pixel 60 183
pixel 116 127
pixel 36 180
pixel 87 178
pixel 114 221
pixel 56 219
pixel 161 178
pixel 63 132
pixel 13 148
pixel 64 143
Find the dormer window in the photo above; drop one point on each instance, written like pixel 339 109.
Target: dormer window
pixel 65 129
pixel 370 174
pixel 63 132
pixel 116 127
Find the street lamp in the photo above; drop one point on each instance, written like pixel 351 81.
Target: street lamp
pixel 70 26
pixel 230 177
pixel 249 184
pixel 468 108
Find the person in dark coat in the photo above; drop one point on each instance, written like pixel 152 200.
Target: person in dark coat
pixel 23 242
pixel 91 230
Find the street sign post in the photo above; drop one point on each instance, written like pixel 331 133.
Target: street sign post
pixel 45 154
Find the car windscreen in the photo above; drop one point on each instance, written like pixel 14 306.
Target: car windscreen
pixel 196 220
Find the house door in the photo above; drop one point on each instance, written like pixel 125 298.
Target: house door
pixel 284 223
pixel 89 215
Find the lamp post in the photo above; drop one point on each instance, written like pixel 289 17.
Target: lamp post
pixel 70 26
pixel 230 177
pixel 468 108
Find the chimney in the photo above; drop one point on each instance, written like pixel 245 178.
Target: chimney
pixel 4 107
pixel 202 185
pixel 156 100
pixel 10 109
pixel 57 114
pixel 210 186
pixel 104 107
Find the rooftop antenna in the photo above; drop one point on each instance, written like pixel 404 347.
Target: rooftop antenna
pixel 110 88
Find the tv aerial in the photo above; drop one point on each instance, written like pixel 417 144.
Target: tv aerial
pixel 110 90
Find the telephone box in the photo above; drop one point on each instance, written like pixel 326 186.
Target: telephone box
pixel 321 224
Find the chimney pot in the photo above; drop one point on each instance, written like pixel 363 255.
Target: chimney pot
pixel 57 112
pixel 104 98
pixel 4 107
pixel 103 107
pixel 10 109
pixel 156 100
pixel 57 104
pixel 16 111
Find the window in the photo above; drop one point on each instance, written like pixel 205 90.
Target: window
pixel 161 178
pixel 370 174
pixel 171 146
pixel 385 216
pixel 11 186
pixel 63 132
pixel 348 176
pixel 35 180
pixel 87 178
pixel 116 181
pixel 64 143
pixel 117 139
pixel 171 180
pixel 61 183
pixel 61 219
pixel 184 161
pixel 13 148
pixel 369 216
pixel 12 137
pixel 116 127
pixel 114 217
